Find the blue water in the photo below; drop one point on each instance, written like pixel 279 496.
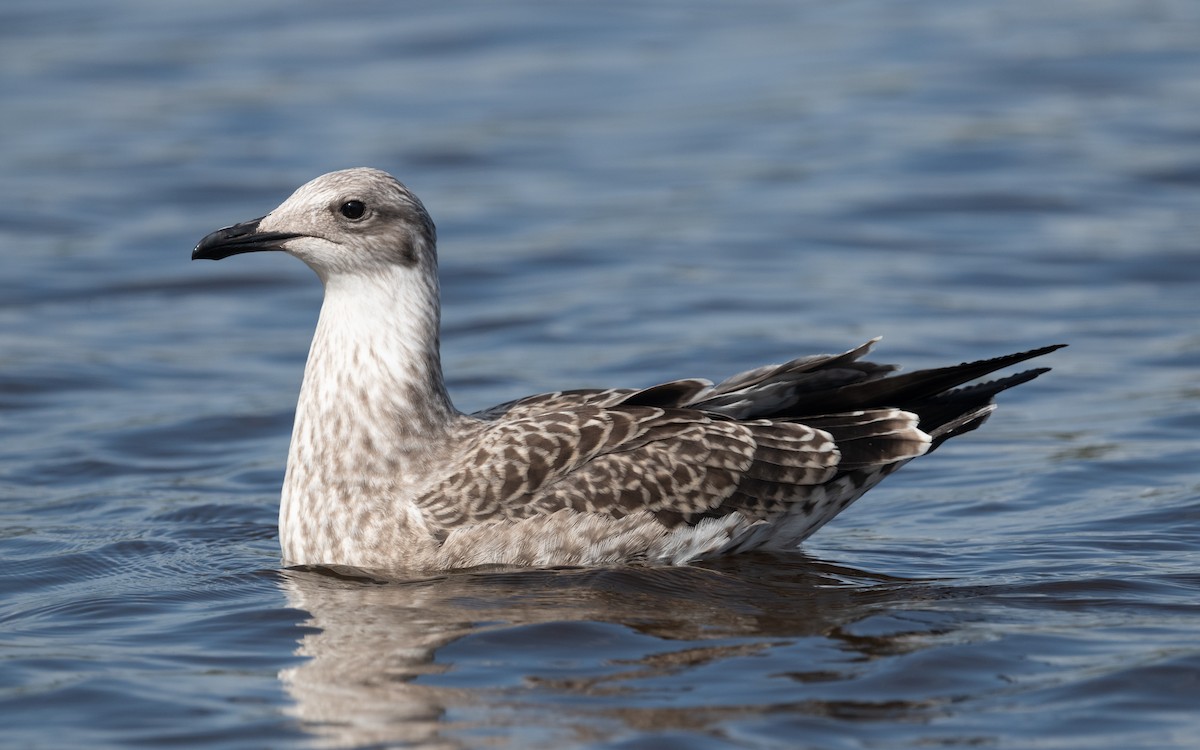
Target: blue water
pixel 625 193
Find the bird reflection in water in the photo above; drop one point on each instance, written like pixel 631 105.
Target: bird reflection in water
pixel 420 662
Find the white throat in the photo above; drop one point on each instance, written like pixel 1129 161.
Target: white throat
pixel 372 407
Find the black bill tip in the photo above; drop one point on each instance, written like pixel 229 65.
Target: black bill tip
pixel 240 238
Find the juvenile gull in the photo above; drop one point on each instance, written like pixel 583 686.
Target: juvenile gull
pixel 384 472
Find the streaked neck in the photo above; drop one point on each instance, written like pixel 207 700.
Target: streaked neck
pixel 372 407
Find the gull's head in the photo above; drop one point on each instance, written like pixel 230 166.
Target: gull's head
pixel 354 221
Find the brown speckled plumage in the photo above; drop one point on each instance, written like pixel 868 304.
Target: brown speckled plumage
pixel 383 472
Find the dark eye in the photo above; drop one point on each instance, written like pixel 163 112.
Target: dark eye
pixel 353 209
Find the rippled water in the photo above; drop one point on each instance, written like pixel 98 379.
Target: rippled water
pixel 625 193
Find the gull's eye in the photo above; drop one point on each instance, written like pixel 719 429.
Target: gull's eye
pixel 353 209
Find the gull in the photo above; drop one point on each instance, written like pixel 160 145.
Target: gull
pixel 384 473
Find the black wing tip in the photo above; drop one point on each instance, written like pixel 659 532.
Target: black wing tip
pixel 996 363
pixel 945 379
pixel 992 387
pixel 963 409
pixel 1045 349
